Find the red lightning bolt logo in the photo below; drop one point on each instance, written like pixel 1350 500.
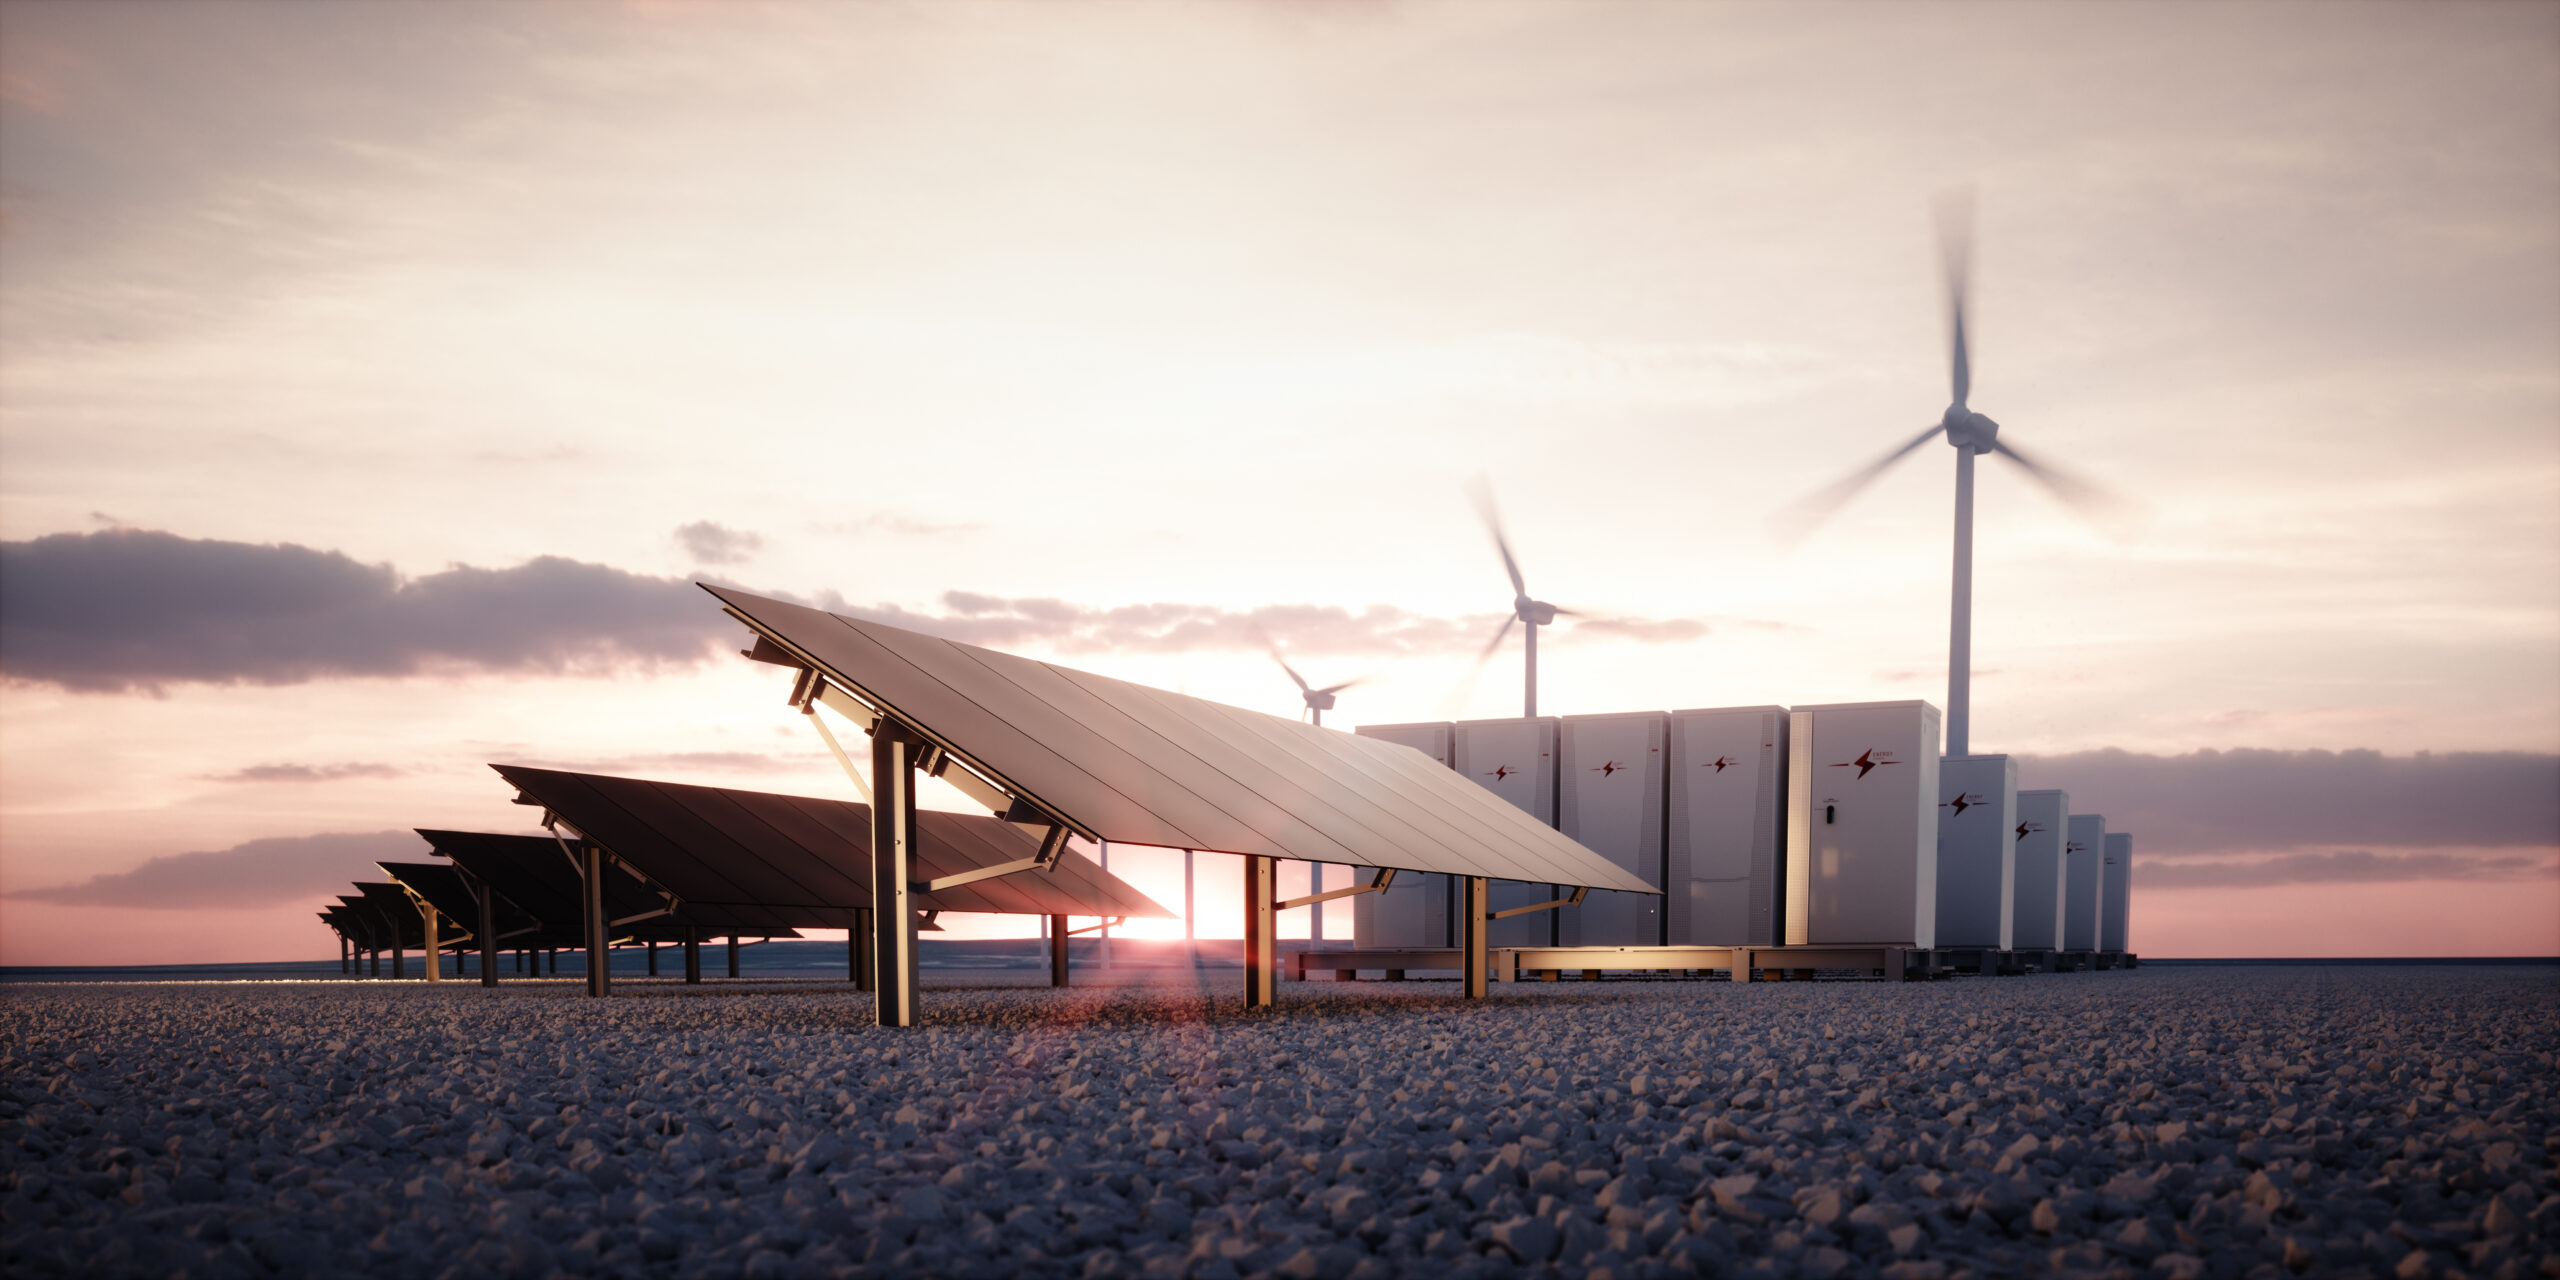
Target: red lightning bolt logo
pixel 1865 762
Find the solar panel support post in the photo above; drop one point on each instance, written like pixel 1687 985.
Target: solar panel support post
pixel 429 919
pixel 858 948
pixel 692 955
pixel 486 901
pixel 733 955
pixel 1475 925
pixel 1057 951
pixel 652 945
pixel 591 878
pixel 399 960
pixel 1261 918
pixel 894 749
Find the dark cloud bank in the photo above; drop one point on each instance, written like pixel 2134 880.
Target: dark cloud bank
pixel 260 873
pixel 121 609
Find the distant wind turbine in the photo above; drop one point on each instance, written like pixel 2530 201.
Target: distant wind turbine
pixel 1318 701
pixel 1531 613
pixel 1971 433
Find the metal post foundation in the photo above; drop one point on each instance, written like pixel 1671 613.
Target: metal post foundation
pixel 488 931
pixel 858 946
pixel 1261 947
pixel 893 827
pixel 652 944
pixel 599 958
pixel 733 955
pixel 1057 951
pixel 1476 932
pixel 692 955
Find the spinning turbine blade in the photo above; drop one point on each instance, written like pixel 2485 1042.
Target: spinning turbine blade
pixel 1955 249
pixel 1337 688
pixel 2089 499
pixel 1301 681
pixel 1475 671
pixel 1809 512
pixel 1482 492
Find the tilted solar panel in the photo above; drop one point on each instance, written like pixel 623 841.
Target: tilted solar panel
pixel 1128 763
pixel 807 860
pixel 533 873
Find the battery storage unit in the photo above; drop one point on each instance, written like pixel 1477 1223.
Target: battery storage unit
pixel 1977 851
pixel 1862 825
pixel 1516 760
pixel 1609 799
pixel 2039 838
pixel 2115 886
pixel 1416 909
pixel 2080 889
pixel 1728 794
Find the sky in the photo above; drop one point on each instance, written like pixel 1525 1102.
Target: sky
pixel 377 379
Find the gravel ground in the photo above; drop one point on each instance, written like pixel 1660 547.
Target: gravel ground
pixel 2169 1121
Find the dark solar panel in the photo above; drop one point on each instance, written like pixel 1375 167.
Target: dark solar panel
pixel 402 925
pixel 807 860
pixel 533 874
pixel 1132 764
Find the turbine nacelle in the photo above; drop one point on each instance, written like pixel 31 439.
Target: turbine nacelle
pixel 1965 427
pixel 1537 613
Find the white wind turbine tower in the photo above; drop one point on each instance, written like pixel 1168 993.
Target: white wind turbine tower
pixel 1971 433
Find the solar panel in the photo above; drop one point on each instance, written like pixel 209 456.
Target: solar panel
pixel 533 873
pixel 1124 762
pixel 806 861
pixel 402 925
pixel 442 887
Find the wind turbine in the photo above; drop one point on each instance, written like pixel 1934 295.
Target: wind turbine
pixel 1970 433
pixel 1531 613
pixel 1318 701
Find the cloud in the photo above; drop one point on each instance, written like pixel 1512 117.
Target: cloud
pixel 2346 866
pixel 121 609
pixel 309 772
pixel 2270 801
pixel 709 543
pixel 278 869
pixel 1165 627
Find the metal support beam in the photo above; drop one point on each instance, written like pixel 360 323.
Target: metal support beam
pixel 984 873
pixel 430 917
pixel 1261 921
pixel 1573 899
pixel 652 945
pixel 859 944
pixel 893 845
pixel 485 900
pixel 692 955
pixel 1057 951
pixel 399 959
pixel 733 955
pixel 599 955
pixel 1385 877
pixel 1475 925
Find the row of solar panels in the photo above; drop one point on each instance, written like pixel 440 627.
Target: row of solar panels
pixel 701 862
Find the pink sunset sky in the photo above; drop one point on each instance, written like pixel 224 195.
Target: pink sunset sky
pixel 376 379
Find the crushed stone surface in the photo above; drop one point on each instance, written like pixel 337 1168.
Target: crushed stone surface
pixel 2178 1122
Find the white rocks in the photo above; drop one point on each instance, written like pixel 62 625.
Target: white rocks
pixel 2165 1121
